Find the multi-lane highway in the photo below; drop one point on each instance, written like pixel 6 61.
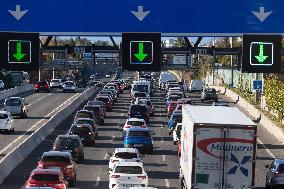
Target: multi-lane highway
pixel 163 164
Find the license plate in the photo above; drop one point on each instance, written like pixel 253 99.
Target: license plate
pixel 128 185
pixel 55 168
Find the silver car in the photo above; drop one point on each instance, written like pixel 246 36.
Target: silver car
pixel 69 86
pixel 17 106
pixel 275 174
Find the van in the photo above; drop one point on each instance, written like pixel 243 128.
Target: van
pixel 195 86
pixel 164 77
pixel 141 86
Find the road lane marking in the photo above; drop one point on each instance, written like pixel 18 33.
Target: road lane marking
pixel 98 181
pixel 268 151
pixel 106 155
pixel 37 100
pixel 164 157
pixel 167 183
pixel 162 139
pixel 35 125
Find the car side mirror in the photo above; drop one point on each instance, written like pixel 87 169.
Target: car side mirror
pixel 109 154
pixel 147 170
pixel 109 169
pixel 267 166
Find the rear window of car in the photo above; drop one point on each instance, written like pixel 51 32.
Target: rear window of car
pixel 81 131
pixel 92 108
pixel 135 123
pixel 69 83
pixel 90 122
pixel 173 98
pixel 125 155
pixel 140 95
pixel 173 104
pixel 13 102
pixel 55 159
pixel 103 99
pixel 41 82
pixel 210 90
pixel 45 177
pixel 128 169
pixel 84 114
pixel 139 133
pixel 68 142
pixel 3 116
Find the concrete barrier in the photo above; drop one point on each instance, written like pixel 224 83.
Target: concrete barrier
pixel 19 153
pixel 272 128
pixel 15 91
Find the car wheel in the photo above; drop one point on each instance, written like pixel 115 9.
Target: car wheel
pixel 72 182
pixel 202 100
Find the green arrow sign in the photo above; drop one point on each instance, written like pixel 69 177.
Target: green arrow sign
pixel 260 57
pixel 19 55
pixel 141 56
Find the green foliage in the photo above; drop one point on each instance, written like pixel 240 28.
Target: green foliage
pixel 6 78
pixel 274 95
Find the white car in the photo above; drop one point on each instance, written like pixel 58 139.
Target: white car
pixel 6 122
pixel 178 93
pixel 69 86
pixel 56 83
pixel 176 133
pixel 141 98
pixel 125 155
pixel 134 123
pixel 2 85
pixel 128 173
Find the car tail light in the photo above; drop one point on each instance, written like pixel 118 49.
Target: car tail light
pixel 40 165
pixel 90 133
pixel 127 126
pixel 115 176
pixel 36 85
pixel 114 160
pixel 142 177
pixel 59 186
pixel 277 173
pixel 30 184
pixel 55 147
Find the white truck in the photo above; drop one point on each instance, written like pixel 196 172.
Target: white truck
pixel 141 86
pixel 218 147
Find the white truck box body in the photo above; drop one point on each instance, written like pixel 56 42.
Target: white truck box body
pixel 141 86
pixel 218 146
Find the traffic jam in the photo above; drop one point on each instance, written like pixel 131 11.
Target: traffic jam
pixel 58 167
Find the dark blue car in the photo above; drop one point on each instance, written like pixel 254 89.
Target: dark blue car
pixel 140 138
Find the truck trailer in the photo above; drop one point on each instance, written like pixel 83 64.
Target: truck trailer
pixel 218 148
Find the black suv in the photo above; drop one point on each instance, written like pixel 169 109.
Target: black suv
pixel 98 113
pixel 139 111
pixel 85 132
pixel 72 144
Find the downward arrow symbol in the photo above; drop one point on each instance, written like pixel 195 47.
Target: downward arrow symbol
pixel 18 14
pixel 140 14
pixel 261 15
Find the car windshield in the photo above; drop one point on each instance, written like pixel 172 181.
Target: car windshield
pixel 103 99
pixel 141 88
pixel 84 114
pixel 68 142
pixel 13 102
pixel 135 123
pixel 3 116
pixel 125 155
pixel 139 134
pixel 90 122
pixel 140 95
pixel 81 131
pixel 45 177
pixel 128 169
pixel 173 98
pixel 55 159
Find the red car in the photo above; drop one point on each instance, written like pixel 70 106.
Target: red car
pixel 106 100
pixel 42 86
pixel 171 107
pixel 61 161
pixel 47 178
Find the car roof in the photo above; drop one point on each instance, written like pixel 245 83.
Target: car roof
pixel 4 112
pixel 135 119
pixel 81 125
pixel 68 136
pixel 46 171
pixel 85 111
pixel 123 163
pixel 14 97
pixel 56 153
pixel 138 129
pixel 130 150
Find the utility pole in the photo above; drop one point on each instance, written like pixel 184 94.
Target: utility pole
pixel 232 65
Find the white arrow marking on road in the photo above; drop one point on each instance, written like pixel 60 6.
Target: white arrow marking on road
pixel 261 15
pixel 140 14
pixel 18 14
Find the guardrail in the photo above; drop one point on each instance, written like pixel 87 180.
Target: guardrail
pixel 15 91
pixel 18 154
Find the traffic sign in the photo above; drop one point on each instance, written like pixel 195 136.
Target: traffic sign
pixel 198 18
pixel 262 53
pixel 19 51
pixel 141 51
pixel 257 85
